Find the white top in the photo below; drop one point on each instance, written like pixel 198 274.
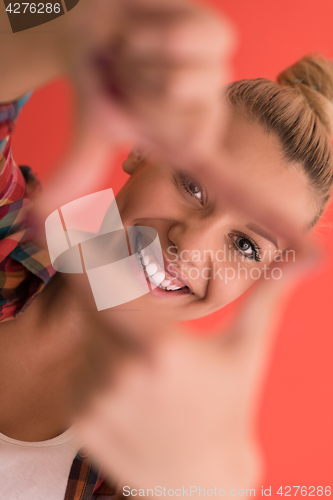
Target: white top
pixel 36 471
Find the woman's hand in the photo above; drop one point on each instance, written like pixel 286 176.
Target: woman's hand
pixel 143 71
pixel 155 74
pixel 141 67
pixel 183 411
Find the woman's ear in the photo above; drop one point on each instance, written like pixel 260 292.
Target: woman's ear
pixel 135 156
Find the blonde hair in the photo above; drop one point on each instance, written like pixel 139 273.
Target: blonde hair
pixel 298 109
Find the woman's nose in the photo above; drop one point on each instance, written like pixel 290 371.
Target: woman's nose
pixel 192 242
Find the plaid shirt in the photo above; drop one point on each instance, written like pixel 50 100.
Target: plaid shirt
pixel 25 270
pixel 85 483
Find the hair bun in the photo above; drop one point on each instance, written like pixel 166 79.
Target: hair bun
pixel 313 76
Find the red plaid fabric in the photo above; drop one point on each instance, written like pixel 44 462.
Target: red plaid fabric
pixel 85 483
pixel 24 268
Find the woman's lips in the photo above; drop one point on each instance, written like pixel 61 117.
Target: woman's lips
pixel 175 272
pixel 178 279
pixel 164 278
pixel 164 294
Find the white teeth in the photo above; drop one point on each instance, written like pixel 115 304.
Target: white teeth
pixel 151 269
pixel 158 277
pixel 145 260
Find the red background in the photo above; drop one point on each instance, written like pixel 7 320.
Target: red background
pixel 297 411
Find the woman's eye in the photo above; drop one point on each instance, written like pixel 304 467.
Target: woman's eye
pixel 246 246
pixel 193 188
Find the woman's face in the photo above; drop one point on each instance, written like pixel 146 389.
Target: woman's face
pixel 212 251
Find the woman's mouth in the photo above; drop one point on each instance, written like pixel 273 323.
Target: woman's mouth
pixel 156 274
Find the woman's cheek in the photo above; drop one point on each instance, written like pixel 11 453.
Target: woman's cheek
pixel 148 197
pixel 229 280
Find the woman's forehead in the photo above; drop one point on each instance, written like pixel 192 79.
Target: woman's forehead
pixel 249 143
pixel 256 158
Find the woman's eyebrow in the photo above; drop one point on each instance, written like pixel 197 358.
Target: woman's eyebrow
pixel 258 230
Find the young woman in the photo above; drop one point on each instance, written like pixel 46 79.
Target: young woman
pixel 278 136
